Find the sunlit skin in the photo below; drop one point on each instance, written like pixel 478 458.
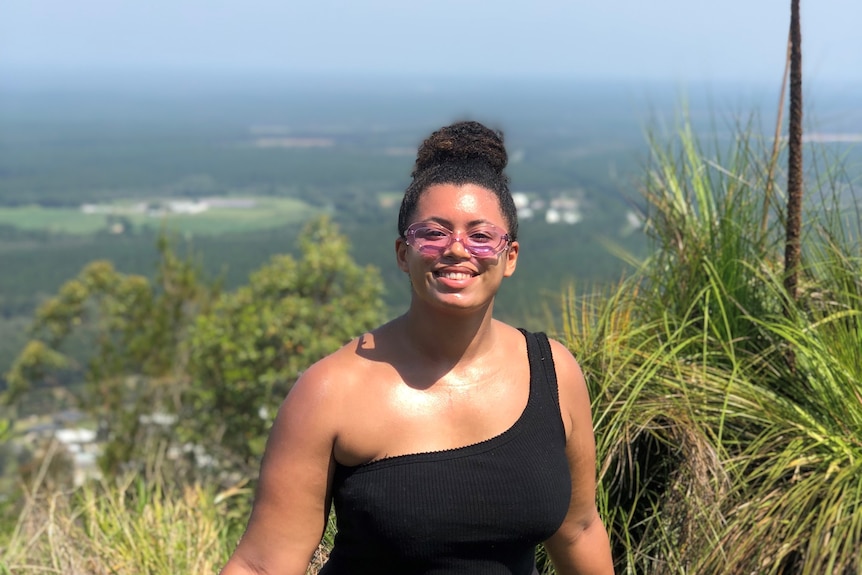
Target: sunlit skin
pixel 443 375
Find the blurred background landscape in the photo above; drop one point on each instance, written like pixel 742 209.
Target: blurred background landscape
pixel 228 128
pixel 232 125
pixel 234 167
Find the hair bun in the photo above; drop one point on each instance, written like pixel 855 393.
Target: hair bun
pixel 460 143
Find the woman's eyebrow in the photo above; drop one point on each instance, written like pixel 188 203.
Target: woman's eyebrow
pixel 448 224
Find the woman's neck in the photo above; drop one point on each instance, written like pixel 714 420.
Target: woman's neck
pixel 449 337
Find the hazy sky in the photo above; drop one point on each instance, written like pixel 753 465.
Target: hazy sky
pixel 679 40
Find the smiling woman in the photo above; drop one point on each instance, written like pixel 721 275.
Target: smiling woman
pixel 448 441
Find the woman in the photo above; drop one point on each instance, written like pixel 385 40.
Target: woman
pixel 450 442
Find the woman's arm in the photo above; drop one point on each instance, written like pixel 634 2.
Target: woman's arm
pixel 293 493
pixel 580 546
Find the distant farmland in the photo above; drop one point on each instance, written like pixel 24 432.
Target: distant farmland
pixel 185 217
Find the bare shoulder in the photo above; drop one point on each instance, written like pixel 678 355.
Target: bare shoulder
pixel 565 363
pixel 325 397
pixel 325 385
pixel 574 396
pixel 307 416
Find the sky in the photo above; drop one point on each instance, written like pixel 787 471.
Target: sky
pixel 676 40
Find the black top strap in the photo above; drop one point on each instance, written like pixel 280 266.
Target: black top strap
pixel 547 359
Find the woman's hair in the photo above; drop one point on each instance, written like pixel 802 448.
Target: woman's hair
pixel 463 153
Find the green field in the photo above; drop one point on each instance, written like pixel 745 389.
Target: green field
pixel 266 213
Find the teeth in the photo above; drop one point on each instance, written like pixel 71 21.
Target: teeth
pixel 455 275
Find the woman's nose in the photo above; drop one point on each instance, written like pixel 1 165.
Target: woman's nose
pixel 461 251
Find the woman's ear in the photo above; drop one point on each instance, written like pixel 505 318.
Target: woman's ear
pixel 401 248
pixel 511 259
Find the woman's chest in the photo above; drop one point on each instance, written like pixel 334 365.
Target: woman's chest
pixel 392 418
pixel 513 489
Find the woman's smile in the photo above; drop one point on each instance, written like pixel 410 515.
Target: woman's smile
pixel 454 277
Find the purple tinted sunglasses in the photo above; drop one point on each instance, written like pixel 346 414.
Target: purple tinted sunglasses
pixel 432 239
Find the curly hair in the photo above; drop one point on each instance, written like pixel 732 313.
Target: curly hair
pixel 463 153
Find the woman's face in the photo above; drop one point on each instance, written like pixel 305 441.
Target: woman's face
pixel 449 271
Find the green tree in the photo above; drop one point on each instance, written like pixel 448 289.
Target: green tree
pixel 138 350
pixel 249 349
pixel 213 365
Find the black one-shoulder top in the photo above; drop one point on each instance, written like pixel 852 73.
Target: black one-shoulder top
pixel 478 510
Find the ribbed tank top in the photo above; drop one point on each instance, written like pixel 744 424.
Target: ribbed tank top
pixel 479 509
